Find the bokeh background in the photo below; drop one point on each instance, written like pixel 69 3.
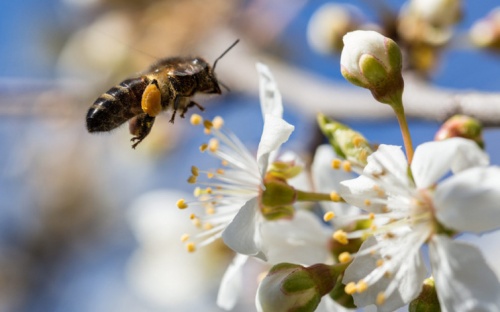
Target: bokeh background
pixel 87 223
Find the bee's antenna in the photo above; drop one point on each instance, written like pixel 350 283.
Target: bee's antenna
pixel 224 53
pixel 224 86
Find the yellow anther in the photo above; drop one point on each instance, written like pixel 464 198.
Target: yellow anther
pixel 208 226
pixel 210 210
pixel 336 163
pixel 207 131
pixel 361 286
pixel 335 197
pixel 389 235
pixel 225 162
pixel 213 145
pixel 341 237
pixel 371 216
pixel 363 156
pixel 385 209
pixel 218 122
pixel 194 171
pixel 388 274
pixel 191 247
pixel 345 257
pixel 328 216
pixel 203 147
pixel 373 227
pixel 196 120
pixel 181 204
pixel 197 192
pixel 346 165
pixel 368 202
pixel 191 179
pixel 350 288
pixel 197 222
pixel 380 298
pixel 184 238
pixel 208 190
pixel 380 262
pixel 220 171
pixel 210 175
pixel 358 140
pixel 207 124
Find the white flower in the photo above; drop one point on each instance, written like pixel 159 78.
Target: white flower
pixel 388 269
pixel 303 240
pixel 231 196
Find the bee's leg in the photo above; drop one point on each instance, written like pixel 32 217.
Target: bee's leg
pixel 140 126
pixel 177 101
pixel 191 104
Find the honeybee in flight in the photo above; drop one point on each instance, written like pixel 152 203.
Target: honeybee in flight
pixel 168 84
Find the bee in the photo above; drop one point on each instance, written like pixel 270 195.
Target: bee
pixel 167 85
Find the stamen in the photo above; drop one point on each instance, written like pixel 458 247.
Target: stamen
pixel 213 145
pixel 380 298
pixel 220 171
pixel 225 163
pixel 345 257
pixel 194 171
pixel 350 288
pixel 191 179
pixel 181 204
pixel 207 124
pixel 341 237
pixel 346 165
pixel 335 197
pixel 218 122
pixel 380 262
pixel 197 192
pixel 210 175
pixel 362 286
pixel 367 203
pixel 196 120
pixel 191 247
pixel 203 147
pixel 328 216
pixel 208 226
pixel 336 163
pixel 371 216
pixel 184 238
pixel 357 140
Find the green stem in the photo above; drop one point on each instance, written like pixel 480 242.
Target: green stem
pixel 405 131
pixel 310 196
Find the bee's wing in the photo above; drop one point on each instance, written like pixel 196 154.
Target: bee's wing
pixel 186 69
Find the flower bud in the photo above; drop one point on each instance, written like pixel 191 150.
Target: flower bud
pixel 347 143
pixel 374 62
pixel 485 33
pixel 461 126
pixel 427 301
pixel 438 13
pixel 292 287
pixel 329 24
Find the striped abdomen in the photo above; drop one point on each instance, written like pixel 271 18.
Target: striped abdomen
pixel 117 105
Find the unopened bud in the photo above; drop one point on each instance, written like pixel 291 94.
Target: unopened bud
pixel 374 62
pixel 438 13
pixel 329 24
pixel 292 287
pixel 485 33
pixel 461 126
pixel 347 143
pixel 427 301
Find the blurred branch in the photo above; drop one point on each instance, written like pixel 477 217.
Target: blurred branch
pixel 311 93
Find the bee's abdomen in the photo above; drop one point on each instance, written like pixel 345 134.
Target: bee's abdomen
pixel 116 106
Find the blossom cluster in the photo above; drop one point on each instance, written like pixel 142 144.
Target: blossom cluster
pixel 390 218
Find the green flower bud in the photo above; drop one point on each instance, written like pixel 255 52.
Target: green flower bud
pixel 427 301
pixel 347 143
pixel 461 126
pixel 374 62
pixel 292 287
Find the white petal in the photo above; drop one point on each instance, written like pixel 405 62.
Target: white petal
pixel 408 288
pixel 327 180
pixel 302 240
pixel 390 161
pixel 464 282
pixel 231 284
pixel 301 181
pixel 432 160
pixel 242 234
pixel 470 201
pixel 276 132
pixel 357 191
pixel 270 96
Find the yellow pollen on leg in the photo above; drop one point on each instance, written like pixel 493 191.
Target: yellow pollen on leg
pixel 336 163
pixel 345 257
pixel 350 288
pixel 196 120
pixel 218 122
pixel 191 247
pixel 380 298
pixel 361 286
pixel 346 165
pixel 184 238
pixel 335 197
pixel 341 237
pixel 181 204
pixel 328 216
pixel 213 145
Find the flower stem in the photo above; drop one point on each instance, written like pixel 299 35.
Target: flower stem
pixel 405 131
pixel 310 196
